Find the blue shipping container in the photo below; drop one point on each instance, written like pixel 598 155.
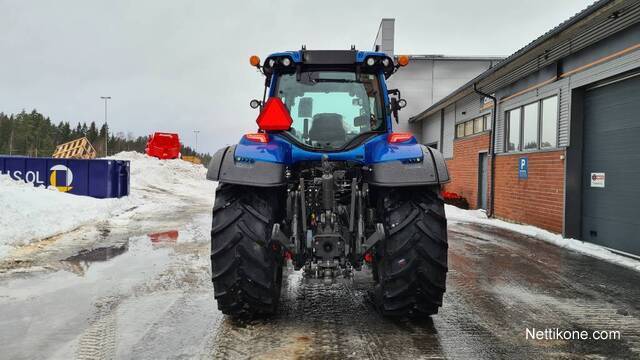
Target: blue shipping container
pixel 99 178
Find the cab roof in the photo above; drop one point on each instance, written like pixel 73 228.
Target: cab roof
pixel 334 57
pixel 369 61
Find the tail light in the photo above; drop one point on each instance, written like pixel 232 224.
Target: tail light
pixel 258 137
pixel 399 137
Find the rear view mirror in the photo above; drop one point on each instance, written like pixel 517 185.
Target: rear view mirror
pixel 255 103
pixel 394 109
pixel 360 121
pixel 305 107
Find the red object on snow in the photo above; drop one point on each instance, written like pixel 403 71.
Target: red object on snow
pixel 165 236
pixel 274 116
pixel 163 145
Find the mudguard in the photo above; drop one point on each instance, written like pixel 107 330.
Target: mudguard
pixel 225 168
pixel 430 170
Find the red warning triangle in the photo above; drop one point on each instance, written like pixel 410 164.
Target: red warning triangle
pixel 274 116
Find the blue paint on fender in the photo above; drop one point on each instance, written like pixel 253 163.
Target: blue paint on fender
pixel 374 150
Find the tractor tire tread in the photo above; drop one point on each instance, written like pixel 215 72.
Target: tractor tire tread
pixel 412 261
pixel 246 272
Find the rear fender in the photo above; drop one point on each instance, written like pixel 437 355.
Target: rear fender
pixel 430 169
pixel 225 167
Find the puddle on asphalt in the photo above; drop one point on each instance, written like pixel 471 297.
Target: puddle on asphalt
pixel 81 261
pixel 98 254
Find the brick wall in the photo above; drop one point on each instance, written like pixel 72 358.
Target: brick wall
pixel 463 168
pixel 537 200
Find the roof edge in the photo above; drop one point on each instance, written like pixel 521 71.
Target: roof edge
pixel 550 35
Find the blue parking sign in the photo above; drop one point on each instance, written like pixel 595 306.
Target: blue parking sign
pixel 523 168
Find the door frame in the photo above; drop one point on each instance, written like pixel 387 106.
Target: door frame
pixel 480 185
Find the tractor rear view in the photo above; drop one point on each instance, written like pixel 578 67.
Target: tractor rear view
pixel 326 183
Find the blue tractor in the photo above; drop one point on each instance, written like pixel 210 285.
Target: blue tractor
pixel 327 184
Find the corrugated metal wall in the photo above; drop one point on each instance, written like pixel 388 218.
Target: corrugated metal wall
pixel 431 130
pixel 470 108
pixel 562 87
pixel 448 133
pixel 425 81
pixel 609 26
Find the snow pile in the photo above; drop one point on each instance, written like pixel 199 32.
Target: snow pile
pixel 29 214
pixel 179 178
pixel 455 214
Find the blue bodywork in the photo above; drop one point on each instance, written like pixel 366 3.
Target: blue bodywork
pixel 375 150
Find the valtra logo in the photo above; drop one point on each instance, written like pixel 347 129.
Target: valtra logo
pixel 61 178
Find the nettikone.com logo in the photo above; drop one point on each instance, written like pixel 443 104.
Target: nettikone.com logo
pixel 559 334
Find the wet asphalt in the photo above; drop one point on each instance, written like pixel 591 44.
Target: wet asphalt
pixel 148 296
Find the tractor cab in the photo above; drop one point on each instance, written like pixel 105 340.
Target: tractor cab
pixel 335 100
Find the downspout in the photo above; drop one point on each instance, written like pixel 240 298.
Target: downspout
pixel 492 152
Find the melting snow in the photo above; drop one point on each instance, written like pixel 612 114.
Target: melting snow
pixel 455 214
pixel 29 214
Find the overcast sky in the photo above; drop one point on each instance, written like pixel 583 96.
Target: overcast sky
pixel 183 65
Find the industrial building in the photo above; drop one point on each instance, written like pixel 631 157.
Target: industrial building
pixel 427 79
pixel 563 116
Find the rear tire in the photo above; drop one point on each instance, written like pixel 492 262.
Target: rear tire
pixel 246 268
pixel 411 262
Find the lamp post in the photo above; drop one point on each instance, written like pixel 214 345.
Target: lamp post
pixel 106 127
pixel 196 149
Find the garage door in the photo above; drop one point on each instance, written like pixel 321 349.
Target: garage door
pixel 611 166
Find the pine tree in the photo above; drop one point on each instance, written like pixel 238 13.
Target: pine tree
pixel 92 132
pixel 34 134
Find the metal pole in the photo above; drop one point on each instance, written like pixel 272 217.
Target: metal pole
pixel 106 127
pixel 11 140
pixel 196 149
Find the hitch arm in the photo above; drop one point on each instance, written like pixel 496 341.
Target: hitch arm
pixel 372 240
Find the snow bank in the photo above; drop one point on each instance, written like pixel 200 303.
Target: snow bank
pixel 179 177
pixel 455 214
pixel 29 214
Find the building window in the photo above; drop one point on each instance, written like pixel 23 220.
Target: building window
pixel 468 128
pixel 478 125
pixel 473 126
pixel 530 127
pixel 513 129
pixel 533 126
pixel 549 131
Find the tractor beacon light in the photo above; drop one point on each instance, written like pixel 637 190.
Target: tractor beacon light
pixel 254 60
pixel 403 60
